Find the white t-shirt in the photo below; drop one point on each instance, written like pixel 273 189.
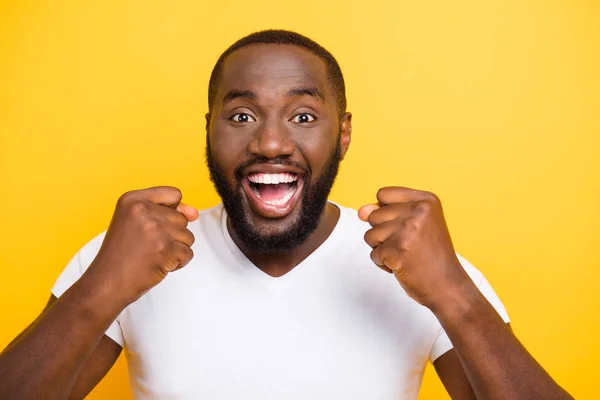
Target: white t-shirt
pixel 335 327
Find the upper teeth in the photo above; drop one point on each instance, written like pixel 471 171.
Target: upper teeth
pixel 272 179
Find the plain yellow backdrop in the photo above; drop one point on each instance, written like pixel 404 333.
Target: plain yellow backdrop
pixel 494 105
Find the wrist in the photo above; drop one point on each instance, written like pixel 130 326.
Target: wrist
pixel 98 296
pixel 459 304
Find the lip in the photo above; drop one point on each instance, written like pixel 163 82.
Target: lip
pixel 272 169
pixel 268 210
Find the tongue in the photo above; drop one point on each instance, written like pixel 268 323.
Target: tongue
pixel 273 192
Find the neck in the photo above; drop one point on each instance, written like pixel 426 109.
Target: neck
pixel 279 264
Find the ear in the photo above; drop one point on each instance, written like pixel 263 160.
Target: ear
pixel 345 132
pixel 207 116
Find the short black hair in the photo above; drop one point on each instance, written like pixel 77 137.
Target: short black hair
pixel 278 36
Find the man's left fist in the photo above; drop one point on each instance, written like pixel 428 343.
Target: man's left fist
pixel 410 239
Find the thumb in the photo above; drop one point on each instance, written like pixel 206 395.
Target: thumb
pixel 188 211
pixel 365 211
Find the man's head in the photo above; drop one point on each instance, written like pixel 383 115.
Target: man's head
pixel 283 38
pixel 276 132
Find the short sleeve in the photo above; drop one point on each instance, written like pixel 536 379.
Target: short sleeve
pixel 442 343
pixel 75 269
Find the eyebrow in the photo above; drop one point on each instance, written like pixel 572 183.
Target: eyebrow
pixel 234 94
pixel 307 91
pixel 296 92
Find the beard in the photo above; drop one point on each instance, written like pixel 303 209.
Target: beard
pixel 313 201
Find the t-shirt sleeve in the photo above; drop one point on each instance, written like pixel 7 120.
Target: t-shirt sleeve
pixel 75 269
pixel 442 343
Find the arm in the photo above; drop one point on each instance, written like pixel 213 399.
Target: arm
pixel 410 239
pixel 452 375
pixel 494 361
pixel 64 353
pixel 95 368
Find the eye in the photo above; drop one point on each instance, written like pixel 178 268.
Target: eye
pixel 303 118
pixel 242 118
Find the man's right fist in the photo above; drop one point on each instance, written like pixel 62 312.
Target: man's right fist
pixel 147 238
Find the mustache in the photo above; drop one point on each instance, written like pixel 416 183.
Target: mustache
pixel 264 160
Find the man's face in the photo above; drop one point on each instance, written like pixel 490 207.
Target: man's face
pixel 274 144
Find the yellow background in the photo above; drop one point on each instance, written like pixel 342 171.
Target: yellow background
pixel 494 105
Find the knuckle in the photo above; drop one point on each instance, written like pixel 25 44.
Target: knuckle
pixel 162 245
pixel 164 269
pixel 151 225
pixel 192 238
pixel 381 193
pixel 423 207
pixel 374 256
pixel 138 208
pixel 175 192
pixel 371 238
pixel 387 258
pixel 367 236
pixel 372 219
pixel 189 254
pixel 184 255
pixel 127 197
pixel 412 224
pixel 182 220
pixel 431 197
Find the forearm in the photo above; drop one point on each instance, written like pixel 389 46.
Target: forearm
pixel 45 362
pixel 495 362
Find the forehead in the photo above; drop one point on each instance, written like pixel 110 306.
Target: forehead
pixel 266 67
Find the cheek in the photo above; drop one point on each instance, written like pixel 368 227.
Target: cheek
pixel 317 150
pixel 227 150
pixel 224 141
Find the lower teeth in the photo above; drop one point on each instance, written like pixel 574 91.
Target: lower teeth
pixel 288 195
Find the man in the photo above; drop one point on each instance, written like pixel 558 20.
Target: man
pixel 279 298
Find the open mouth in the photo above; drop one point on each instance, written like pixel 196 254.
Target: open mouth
pixel 273 194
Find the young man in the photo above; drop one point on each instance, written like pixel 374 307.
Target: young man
pixel 279 297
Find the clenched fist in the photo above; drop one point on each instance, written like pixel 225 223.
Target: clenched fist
pixel 410 239
pixel 147 239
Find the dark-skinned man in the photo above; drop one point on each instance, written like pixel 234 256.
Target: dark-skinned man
pixel 273 294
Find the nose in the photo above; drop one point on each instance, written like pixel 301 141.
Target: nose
pixel 272 140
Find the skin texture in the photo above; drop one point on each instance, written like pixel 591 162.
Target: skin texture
pixel 96 366
pixel 267 74
pixel 64 353
pixel 312 196
pixel 410 240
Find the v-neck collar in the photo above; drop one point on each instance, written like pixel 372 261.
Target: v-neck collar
pixel 250 268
